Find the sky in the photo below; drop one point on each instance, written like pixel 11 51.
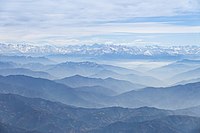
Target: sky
pixel 126 22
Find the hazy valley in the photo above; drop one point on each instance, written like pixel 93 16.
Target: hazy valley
pixel 40 95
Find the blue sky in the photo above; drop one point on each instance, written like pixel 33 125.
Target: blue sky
pixel 128 22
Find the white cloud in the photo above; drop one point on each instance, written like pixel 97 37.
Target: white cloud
pixel 70 19
pixel 77 11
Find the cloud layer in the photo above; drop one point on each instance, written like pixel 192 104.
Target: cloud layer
pixel 65 20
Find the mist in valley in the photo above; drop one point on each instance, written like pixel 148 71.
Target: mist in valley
pixel 99 66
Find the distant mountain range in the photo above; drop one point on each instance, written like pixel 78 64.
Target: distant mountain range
pixel 175 97
pixel 38 95
pixel 175 68
pixel 118 86
pixel 102 50
pixel 185 95
pixel 134 78
pixel 94 70
pixel 42 88
pixel 83 96
pixel 25 59
pixel 27 72
pixel 188 75
pixel 183 82
pixel 85 68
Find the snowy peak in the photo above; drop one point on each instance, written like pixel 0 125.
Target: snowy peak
pixel 100 49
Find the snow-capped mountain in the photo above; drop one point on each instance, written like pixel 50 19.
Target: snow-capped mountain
pixel 100 49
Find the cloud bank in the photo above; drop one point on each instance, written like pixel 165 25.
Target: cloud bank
pixel 64 20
